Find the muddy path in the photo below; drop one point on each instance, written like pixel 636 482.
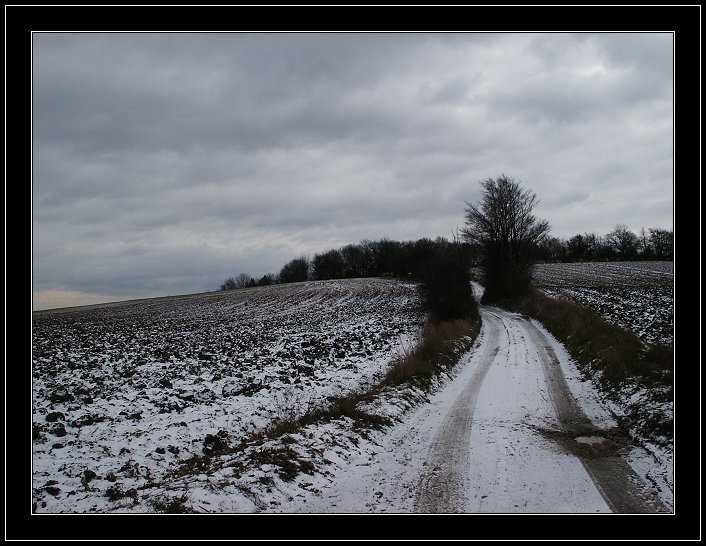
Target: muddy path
pixel 515 433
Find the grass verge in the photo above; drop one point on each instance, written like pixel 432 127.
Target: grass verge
pixel 440 348
pixel 617 360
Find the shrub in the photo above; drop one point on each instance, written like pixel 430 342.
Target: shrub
pixel 446 282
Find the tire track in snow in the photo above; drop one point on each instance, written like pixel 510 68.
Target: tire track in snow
pixel 444 483
pixel 617 482
pixel 442 486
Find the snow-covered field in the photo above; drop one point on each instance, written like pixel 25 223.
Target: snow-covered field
pixel 127 394
pixel 159 405
pixel 638 296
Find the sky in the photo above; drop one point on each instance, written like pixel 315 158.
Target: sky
pixel 164 163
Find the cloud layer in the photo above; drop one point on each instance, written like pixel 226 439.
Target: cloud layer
pixel 164 163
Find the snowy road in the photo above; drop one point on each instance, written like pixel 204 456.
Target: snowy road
pixel 516 430
pixel 480 468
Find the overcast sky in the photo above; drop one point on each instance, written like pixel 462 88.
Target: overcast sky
pixel 165 163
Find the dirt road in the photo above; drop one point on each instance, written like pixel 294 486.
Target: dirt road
pixel 515 430
pixel 515 433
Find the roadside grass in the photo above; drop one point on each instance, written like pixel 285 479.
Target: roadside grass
pixel 339 407
pixel 440 348
pixel 616 359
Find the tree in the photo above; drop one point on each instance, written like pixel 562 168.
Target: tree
pixel 295 271
pixel 328 265
pixel 503 227
pixel 243 280
pixel 662 243
pixel 644 247
pixel 229 284
pixel 623 242
pixel 593 246
pixel 576 248
pixel 352 261
pixel 267 280
pixel 368 265
pixel 552 250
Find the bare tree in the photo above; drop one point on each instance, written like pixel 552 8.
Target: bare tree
pixel 593 246
pixel 243 280
pixel 552 249
pixel 296 270
pixel 229 284
pixel 503 227
pixel 644 244
pixel 328 265
pixel 662 242
pixel 623 242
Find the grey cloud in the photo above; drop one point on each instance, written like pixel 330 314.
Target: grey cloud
pixel 647 52
pixel 131 92
pixel 568 198
pixel 574 78
pixel 164 161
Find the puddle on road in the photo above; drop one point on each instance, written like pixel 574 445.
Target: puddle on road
pixel 588 443
pixel 589 440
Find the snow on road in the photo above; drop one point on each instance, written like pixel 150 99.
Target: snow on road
pixel 516 430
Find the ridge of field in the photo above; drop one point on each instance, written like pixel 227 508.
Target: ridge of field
pixel 124 393
pixel 637 296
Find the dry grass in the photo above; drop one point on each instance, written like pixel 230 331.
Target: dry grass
pixel 596 343
pixel 339 407
pixel 441 345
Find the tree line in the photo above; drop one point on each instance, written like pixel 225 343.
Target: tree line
pixel 442 267
pixel 383 258
pixel 510 239
pixel 411 259
pixel 620 244
pixel 246 281
pixel 501 234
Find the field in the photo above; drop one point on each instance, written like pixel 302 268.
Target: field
pixel 125 394
pixel 638 296
pixel 161 404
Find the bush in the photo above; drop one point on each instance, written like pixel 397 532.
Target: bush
pixel 506 282
pixel 446 285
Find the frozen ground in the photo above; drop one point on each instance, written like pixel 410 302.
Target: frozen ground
pixel 638 296
pixel 513 429
pixel 124 394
